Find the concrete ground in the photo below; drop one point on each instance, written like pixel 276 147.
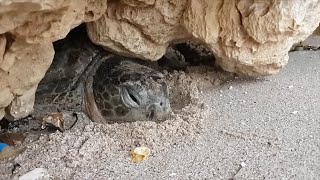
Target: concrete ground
pixel 267 128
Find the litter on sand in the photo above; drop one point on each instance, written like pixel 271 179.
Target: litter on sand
pixel 35 174
pixel 56 119
pixel 139 154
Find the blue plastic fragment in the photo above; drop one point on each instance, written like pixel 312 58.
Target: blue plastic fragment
pixel 2 146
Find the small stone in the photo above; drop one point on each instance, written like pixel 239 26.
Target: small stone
pixel 217 82
pixel 294 112
pixel 230 87
pixel 245 92
pixel 36 173
pixel 290 87
pixel 243 164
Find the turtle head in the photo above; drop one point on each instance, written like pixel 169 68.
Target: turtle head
pixel 124 91
pixel 146 99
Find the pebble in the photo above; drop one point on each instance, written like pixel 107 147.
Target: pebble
pixel 243 164
pixel 36 173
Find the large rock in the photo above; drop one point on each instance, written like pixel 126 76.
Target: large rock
pixel 142 29
pixel 27 30
pixel 249 37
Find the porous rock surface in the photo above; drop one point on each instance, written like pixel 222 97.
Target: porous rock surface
pixel 250 37
pixel 27 30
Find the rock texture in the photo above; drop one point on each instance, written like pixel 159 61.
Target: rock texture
pixel 250 37
pixel 27 30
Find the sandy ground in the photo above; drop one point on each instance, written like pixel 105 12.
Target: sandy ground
pixel 223 127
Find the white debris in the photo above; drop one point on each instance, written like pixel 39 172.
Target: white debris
pixel 230 87
pixel 294 112
pixel 243 164
pixel 245 93
pixel 35 174
pixel 172 174
pixel 290 87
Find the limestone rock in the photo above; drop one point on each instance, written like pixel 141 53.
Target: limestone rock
pixel 22 106
pixel 27 30
pixel 22 68
pixel 201 20
pixel 142 29
pixel 250 37
pixel 46 20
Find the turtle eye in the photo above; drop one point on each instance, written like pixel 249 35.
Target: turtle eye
pixel 133 98
pixel 129 97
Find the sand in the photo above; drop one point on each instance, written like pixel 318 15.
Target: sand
pixel 222 127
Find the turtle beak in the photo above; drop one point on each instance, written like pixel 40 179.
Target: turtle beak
pixel 159 111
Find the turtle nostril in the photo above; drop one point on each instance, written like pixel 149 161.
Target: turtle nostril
pixel 152 114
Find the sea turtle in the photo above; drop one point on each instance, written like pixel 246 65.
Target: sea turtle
pixel 109 88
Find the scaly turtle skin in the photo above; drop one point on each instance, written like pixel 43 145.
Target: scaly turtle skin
pixel 107 87
pixel 122 90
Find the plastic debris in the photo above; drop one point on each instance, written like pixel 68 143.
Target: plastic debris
pixel 2 146
pixel 7 143
pixel 56 119
pixel 35 174
pixel 9 151
pixel 139 154
pixel 12 139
